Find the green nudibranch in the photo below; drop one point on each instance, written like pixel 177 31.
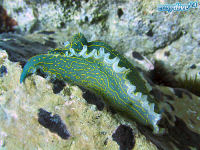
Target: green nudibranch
pixel 99 68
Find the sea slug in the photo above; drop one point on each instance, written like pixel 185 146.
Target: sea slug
pixel 103 70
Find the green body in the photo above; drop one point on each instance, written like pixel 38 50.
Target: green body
pixel 97 67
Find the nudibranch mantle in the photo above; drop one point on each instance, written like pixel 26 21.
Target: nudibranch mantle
pixel 99 68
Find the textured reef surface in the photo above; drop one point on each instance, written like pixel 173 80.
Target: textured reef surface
pixel 85 122
pixel 140 32
pixel 19 106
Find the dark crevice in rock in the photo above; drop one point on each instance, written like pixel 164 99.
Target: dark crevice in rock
pixel 124 137
pixel 86 19
pixel 106 141
pixel 137 55
pixel 47 32
pixel 157 94
pixel 53 122
pixel 165 43
pixel 22 63
pixel 171 106
pixel 111 110
pixel 169 97
pixel 175 38
pixel 162 76
pixel 20 49
pixel 35 26
pixel 100 18
pixel 150 33
pixel 179 92
pixel 51 38
pixel 3 70
pixel 50 43
pixel 167 53
pixel 58 86
pixel 120 12
pixel 62 24
pixel 193 66
pixel 92 98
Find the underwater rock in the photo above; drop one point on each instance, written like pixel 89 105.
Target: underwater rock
pixel 89 128
pixel 128 26
pixel 80 115
pixel 91 98
pixel 184 56
pixel 20 48
pixel 137 25
pixel 183 122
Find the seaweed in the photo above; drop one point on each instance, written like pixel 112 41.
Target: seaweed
pixel 192 84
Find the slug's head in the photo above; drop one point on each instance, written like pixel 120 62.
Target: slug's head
pixel 29 68
pixel 77 43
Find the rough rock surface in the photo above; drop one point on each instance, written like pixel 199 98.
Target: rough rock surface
pixel 182 112
pixel 19 105
pixel 128 26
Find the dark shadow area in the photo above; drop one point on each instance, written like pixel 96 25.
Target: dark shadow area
pixel 92 98
pixel 20 49
pixel 162 76
pixel 124 137
pixel 58 86
pixel 3 70
pixel 179 136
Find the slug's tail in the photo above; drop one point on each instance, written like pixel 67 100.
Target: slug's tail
pixel 29 68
